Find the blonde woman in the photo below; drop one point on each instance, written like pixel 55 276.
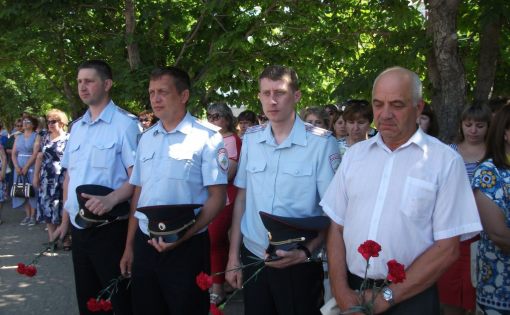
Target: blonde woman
pixel 49 175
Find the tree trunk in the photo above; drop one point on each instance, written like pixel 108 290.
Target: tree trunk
pixel 441 27
pixel 488 59
pixel 132 46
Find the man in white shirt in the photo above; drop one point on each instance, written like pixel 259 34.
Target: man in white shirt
pixel 405 190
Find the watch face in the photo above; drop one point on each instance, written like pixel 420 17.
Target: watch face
pixel 387 294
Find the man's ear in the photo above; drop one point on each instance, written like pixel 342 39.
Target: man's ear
pixel 297 95
pixel 185 96
pixel 108 83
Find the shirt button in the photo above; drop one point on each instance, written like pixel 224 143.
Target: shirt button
pixel 296 172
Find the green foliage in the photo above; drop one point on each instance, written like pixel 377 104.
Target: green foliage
pixel 337 47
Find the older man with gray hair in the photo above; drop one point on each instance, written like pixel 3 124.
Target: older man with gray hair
pixel 405 190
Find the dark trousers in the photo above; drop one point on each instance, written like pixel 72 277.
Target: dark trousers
pixel 164 283
pixel 295 290
pixel 424 303
pixel 96 257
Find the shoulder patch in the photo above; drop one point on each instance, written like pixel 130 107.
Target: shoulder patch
pixel 317 131
pixel 207 124
pixel 256 128
pixel 125 112
pixel 73 122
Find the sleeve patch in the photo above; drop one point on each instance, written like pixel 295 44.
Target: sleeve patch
pixel 222 159
pixel 334 161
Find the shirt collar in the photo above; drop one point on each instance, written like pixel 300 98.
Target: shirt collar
pixel 297 134
pixel 106 114
pixel 419 138
pixel 185 126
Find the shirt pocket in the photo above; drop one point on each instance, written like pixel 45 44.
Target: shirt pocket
pixel 418 199
pixel 75 156
pixel 255 171
pixel 295 183
pixel 103 154
pixel 178 164
pixel 146 166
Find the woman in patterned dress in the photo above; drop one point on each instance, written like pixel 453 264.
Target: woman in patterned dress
pixel 491 184
pixel 456 293
pixel 49 175
pixel 3 183
pixel 24 153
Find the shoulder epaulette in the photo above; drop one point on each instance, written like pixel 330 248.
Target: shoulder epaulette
pixel 208 125
pixel 151 127
pixel 255 128
pixel 74 121
pixel 125 112
pixel 317 131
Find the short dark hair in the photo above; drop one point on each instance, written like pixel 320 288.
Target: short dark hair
pixel 360 108
pixel 275 73
pixel 496 138
pixel 480 113
pixel 180 77
pixel 33 120
pixel 248 115
pixel 102 68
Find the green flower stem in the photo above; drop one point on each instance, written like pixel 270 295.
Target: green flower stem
pixel 48 248
pixel 222 306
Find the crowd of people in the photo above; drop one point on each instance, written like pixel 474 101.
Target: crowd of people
pixel 163 196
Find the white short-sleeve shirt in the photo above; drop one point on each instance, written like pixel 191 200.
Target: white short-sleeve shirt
pixel 404 199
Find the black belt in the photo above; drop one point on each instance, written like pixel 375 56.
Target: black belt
pixel 355 281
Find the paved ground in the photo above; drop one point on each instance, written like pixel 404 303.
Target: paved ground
pixel 51 291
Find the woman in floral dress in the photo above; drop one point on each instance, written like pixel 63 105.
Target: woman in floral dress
pixel 49 175
pixel 491 184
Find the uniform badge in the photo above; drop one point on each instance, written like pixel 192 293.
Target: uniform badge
pixel 334 161
pixel 161 226
pixel 222 159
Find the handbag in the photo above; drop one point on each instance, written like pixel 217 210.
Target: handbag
pixel 22 188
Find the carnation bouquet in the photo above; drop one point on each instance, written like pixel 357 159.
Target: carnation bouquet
pixel 396 274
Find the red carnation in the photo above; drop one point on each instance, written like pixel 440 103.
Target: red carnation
pixel 396 272
pixel 93 305
pixel 21 268
pixel 105 305
pixel 30 271
pixel 369 249
pixel 214 310
pixel 204 281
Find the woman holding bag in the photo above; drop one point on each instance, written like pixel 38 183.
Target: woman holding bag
pixel 24 153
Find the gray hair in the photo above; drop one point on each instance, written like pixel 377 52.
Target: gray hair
pixel 416 85
pixel 224 111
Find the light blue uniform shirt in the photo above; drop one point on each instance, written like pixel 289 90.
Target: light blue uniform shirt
pixel 99 152
pixel 286 180
pixel 176 167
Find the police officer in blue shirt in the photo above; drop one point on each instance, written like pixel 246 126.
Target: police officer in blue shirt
pixel 100 151
pixel 179 160
pixel 285 167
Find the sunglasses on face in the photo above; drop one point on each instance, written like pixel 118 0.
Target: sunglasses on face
pixel 19 125
pixel 213 117
pixel 53 121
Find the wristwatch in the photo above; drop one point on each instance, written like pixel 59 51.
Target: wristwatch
pixel 387 294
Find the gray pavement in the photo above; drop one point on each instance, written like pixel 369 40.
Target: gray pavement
pixel 51 291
